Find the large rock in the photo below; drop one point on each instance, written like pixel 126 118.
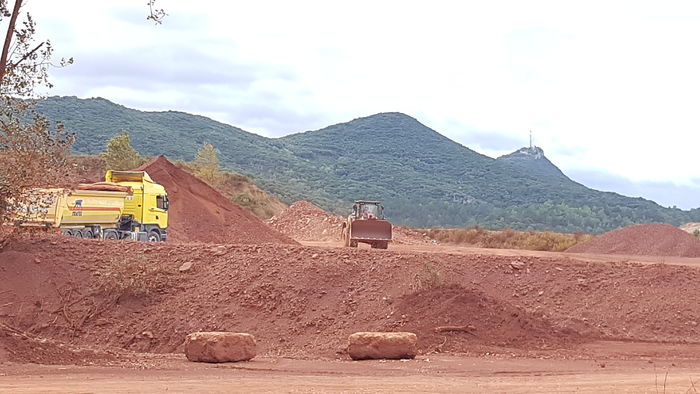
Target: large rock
pixel 219 347
pixel 374 345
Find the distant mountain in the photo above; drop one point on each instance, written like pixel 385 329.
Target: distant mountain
pixel 532 159
pixel 424 178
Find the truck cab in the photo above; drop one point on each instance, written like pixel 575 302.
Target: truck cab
pixel 146 209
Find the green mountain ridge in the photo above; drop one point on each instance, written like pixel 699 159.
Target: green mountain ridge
pixel 424 178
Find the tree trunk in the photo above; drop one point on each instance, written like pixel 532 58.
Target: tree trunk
pixel 8 40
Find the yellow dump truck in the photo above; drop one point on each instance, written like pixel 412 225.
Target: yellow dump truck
pixel 128 205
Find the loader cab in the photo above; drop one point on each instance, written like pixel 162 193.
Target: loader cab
pixel 368 210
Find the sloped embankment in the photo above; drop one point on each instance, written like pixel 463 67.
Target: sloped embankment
pixel 304 301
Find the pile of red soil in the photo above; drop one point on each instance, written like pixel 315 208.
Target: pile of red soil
pixel 304 301
pixel 643 240
pixel 20 347
pixel 410 236
pixel 200 213
pixel 304 221
pixel 469 317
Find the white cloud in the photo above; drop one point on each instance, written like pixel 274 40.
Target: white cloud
pixel 609 86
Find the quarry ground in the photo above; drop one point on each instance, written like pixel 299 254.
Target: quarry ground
pixel 542 321
pixel 429 374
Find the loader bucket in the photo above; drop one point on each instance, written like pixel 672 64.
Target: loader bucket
pixel 371 230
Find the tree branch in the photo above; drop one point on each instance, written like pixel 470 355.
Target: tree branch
pixel 8 39
pixel 28 54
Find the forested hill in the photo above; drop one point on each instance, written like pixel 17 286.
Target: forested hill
pixel 424 178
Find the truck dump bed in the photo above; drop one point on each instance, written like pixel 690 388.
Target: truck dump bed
pixel 65 207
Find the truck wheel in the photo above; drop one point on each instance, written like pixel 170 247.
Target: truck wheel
pixel 153 236
pixel 111 235
pixel 383 245
pixel 87 233
pixel 77 234
pixel 353 243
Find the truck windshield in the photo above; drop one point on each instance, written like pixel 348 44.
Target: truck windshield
pixel 162 202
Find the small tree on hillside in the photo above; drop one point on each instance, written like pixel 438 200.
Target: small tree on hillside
pixel 120 154
pixel 206 164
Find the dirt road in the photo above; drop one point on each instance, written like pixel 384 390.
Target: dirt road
pixel 467 250
pixel 434 373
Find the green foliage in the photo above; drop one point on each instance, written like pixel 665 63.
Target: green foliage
pixel 423 178
pixel 206 165
pixel 696 233
pixel 120 155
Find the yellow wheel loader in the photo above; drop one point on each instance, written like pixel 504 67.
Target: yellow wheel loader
pixel 367 224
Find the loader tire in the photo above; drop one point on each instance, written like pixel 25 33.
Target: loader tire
pixel 380 245
pixel 353 243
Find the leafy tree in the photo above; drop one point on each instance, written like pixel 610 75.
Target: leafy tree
pixel 31 152
pixel 120 155
pixel 206 164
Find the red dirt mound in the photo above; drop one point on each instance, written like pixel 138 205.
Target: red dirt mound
pixel 304 221
pixel 643 240
pixel 304 301
pixel 21 347
pixel 410 236
pixel 453 318
pixel 200 213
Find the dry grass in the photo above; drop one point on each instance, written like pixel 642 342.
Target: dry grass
pixel 134 276
pixel 427 278
pixel 508 238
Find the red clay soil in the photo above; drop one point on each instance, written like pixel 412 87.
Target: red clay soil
pixel 21 347
pixel 200 213
pixel 304 221
pixel 643 240
pixel 303 302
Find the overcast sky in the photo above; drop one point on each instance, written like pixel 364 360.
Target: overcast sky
pixel 610 89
